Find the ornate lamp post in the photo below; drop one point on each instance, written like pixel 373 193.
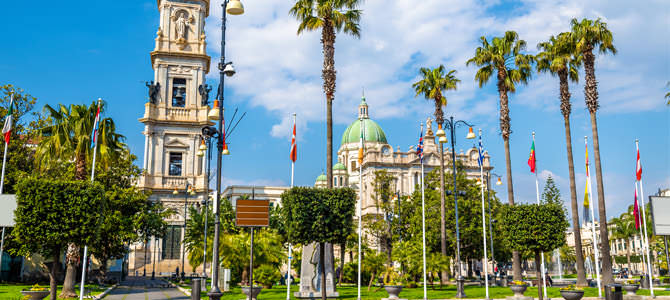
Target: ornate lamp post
pixel 189 191
pixel 488 198
pixel 451 125
pixel 201 152
pixel 233 7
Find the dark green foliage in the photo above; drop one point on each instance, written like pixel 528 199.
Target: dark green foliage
pixel 53 213
pixel 318 215
pixel 534 227
pixel 267 275
pixel 551 193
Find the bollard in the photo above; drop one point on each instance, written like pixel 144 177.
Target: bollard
pixel 613 292
pixel 195 289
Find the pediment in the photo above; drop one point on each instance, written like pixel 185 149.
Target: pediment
pixel 175 143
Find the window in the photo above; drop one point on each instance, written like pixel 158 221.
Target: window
pixel 175 164
pixel 353 166
pixel 172 242
pixel 178 92
pixel 335 181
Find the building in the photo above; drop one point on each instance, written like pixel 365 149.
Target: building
pixel 271 193
pixel 173 117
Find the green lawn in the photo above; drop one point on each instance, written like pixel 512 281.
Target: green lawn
pixel 448 292
pixel 11 291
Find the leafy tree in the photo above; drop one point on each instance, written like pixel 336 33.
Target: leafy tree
pixel 382 225
pixel 504 57
pixel 373 263
pixel 558 58
pixel 234 250
pixel 51 214
pixel 267 275
pixel 194 236
pixel 588 35
pixel 624 228
pixel 318 215
pixel 331 16
pixel 536 228
pixel 431 86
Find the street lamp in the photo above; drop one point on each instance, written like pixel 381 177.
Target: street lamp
pixel 233 7
pixel 205 148
pixel 488 198
pixel 452 125
pixel 189 191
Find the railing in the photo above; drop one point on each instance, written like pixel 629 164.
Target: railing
pixel 174 181
pixel 177 113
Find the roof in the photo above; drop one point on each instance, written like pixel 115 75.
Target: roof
pixel 322 177
pixel 339 166
pixel 373 132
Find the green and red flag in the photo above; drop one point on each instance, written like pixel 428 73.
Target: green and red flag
pixel 7 129
pixel 531 159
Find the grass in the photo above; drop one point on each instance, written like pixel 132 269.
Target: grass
pixel 12 291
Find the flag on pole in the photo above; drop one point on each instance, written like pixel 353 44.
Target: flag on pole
pixel 360 149
pixel 481 152
pixel 94 133
pixel 638 168
pixel 531 159
pixel 636 212
pixel 294 146
pixel 419 148
pixel 587 214
pixel 9 120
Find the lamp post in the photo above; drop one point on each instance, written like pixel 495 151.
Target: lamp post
pixel 189 190
pixel 488 199
pixel 233 7
pixel 201 152
pixel 451 125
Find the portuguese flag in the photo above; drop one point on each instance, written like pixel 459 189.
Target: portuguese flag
pixel 531 159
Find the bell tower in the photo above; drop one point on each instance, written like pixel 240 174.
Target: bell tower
pixel 174 113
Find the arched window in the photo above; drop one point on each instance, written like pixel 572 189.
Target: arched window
pixel 335 181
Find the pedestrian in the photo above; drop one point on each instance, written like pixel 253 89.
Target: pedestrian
pixel 548 279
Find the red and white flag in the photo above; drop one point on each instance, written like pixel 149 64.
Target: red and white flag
pixel 638 167
pixel 294 147
pixel 636 212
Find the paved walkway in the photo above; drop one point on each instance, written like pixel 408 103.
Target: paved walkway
pixel 142 288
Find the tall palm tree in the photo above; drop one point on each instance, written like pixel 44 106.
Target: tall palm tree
pixel 667 95
pixel 504 57
pixel 67 137
pixel 588 35
pixel 331 16
pixel 559 59
pixel 432 84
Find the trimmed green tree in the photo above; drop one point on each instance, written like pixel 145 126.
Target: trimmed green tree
pixel 535 228
pixel 318 215
pixel 50 214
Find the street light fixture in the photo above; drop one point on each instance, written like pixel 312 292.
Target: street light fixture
pixel 491 221
pixel 189 191
pixel 451 125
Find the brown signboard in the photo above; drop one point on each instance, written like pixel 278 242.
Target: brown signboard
pixel 252 213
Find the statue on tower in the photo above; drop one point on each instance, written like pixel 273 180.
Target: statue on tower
pixel 181 27
pixel 204 90
pixel 154 91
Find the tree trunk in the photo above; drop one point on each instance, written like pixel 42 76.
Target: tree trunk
pixel 443 222
pixel 53 284
pixel 538 271
pixel 322 257
pixel 628 256
pixel 602 214
pixel 72 257
pixel 343 246
pixel 329 79
pixel 80 166
pixel 372 280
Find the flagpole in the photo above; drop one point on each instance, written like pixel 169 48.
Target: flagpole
pixel 95 148
pixel 537 193
pixel 423 223
pixel 593 225
pixel 360 205
pixel 644 223
pixel 481 180
pixel 288 273
pixel 4 158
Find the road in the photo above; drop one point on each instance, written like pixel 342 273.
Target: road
pixel 142 288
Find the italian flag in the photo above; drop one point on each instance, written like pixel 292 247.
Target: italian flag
pixel 7 129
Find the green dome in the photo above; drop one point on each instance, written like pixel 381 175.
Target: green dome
pixel 373 132
pixel 322 177
pixel 339 166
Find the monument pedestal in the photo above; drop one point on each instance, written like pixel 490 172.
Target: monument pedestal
pixel 518 298
pixel 311 285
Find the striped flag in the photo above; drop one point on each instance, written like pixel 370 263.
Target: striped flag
pixel 419 148
pixel 638 167
pixel 636 212
pixel 294 146
pixel 94 133
pixel 360 149
pixel 9 121
pixel 481 152
pixel 587 213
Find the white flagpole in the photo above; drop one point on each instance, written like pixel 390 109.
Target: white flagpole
pixel 537 193
pixel 481 178
pixel 288 273
pixel 593 227
pixel 423 225
pixel 4 159
pixel 360 208
pixel 83 264
pixel 644 226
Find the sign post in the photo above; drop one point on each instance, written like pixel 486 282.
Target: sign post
pixel 252 213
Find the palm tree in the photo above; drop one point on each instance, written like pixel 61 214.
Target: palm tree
pixel 667 95
pixel 330 16
pixel 504 57
pixel 588 35
pixel 559 59
pixel 67 137
pixel 431 86
pixel 624 229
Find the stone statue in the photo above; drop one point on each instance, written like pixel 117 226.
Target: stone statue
pixel 429 126
pixel 154 91
pixel 310 272
pixel 204 90
pixel 181 27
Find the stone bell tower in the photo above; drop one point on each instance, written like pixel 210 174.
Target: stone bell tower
pixel 174 113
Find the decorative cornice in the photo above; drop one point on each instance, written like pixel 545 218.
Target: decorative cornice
pixel 205 1
pixel 205 57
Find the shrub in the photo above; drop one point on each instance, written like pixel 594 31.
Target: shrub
pixel 267 275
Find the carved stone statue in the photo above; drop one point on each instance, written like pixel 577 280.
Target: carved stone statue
pixel 181 26
pixel 310 273
pixel 204 93
pixel 429 126
pixel 154 92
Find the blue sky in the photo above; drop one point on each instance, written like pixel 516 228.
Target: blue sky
pixel 77 51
